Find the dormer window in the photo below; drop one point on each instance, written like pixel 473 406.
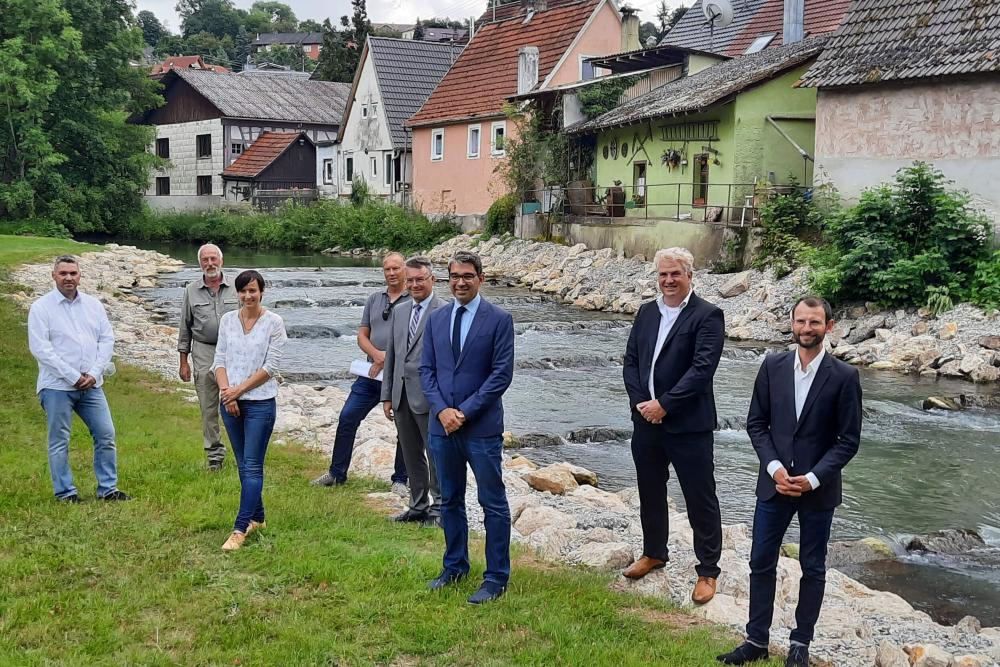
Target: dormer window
pixel 759 44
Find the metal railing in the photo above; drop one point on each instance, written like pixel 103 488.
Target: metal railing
pixel 730 204
pixel 268 195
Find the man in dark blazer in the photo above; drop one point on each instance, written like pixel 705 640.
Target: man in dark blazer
pixel 467 365
pixel 403 399
pixel 670 363
pixel 805 423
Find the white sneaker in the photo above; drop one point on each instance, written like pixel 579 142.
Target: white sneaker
pixel 400 489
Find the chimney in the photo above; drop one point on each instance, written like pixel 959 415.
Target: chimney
pixel 630 29
pixel 527 68
pixel 794 21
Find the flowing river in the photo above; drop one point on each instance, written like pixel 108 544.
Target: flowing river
pixel 917 471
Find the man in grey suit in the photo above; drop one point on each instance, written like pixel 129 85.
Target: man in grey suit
pixel 402 398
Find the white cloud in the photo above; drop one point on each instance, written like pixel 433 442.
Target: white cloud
pixel 382 11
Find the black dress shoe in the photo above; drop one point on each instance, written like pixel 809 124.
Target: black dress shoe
pixel 116 495
pixel 72 500
pixel 487 592
pixel 744 654
pixel 446 578
pixel 409 516
pixel 432 522
pixel 798 656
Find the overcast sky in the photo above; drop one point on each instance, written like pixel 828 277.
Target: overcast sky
pixel 380 11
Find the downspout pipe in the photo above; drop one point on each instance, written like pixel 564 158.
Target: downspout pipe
pixel 803 152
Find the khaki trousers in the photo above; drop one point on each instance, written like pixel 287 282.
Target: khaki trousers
pixel 202 355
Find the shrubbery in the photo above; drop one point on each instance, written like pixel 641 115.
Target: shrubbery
pixel 785 221
pixel 321 225
pixel 500 216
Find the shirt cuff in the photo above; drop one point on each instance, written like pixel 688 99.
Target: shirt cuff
pixel 813 479
pixel 773 467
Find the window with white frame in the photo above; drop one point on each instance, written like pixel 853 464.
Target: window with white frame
pixel 475 132
pixel 437 144
pixel 364 111
pixel 387 170
pixel 236 148
pixel 498 138
pixel 327 171
pixel 348 169
pixel 374 161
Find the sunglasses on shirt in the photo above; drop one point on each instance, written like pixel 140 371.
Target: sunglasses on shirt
pixel 388 310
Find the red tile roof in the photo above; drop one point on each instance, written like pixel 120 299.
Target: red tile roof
pixel 184 62
pixel 261 154
pixel 821 17
pixel 486 72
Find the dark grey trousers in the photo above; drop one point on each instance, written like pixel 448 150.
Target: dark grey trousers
pixel 425 494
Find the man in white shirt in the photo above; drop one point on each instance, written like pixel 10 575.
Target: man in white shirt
pixel 71 338
pixel 805 424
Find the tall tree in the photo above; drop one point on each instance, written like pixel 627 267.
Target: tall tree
pixel 310 25
pixel 418 30
pixel 360 25
pixel 667 18
pixel 218 17
pixel 270 16
pixel 342 48
pixel 152 30
pixel 66 151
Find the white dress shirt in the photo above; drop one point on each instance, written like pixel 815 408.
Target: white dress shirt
pixel 803 378
pixel 68 339
pixel 243 354
pixel 668 316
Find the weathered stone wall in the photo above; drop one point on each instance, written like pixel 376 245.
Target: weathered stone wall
pixel 864 135
pixel 185 166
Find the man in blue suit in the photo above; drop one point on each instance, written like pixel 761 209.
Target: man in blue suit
pixel 467 365
pixel 805 424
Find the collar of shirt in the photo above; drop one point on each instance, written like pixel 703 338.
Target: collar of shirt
pixel 424 302
pixel 470 308
pixel 813 365
pixel 664 307
pixel 222 281
pixel 64 299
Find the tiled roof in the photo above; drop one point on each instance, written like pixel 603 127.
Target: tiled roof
pixel 486 72
pixel 266 38
pixel 184 62
pixel 407 72
pixel 887 40
pixel 445 34
pixel 270 97
pixel 261 153
pixel 752 19
pixel 708 87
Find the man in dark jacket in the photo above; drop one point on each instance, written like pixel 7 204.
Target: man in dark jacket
pixel 670 363
pixel 805 423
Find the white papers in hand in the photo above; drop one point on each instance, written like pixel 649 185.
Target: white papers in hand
pixel 361 368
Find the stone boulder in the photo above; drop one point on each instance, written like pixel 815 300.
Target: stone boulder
pixel 941 403
pixel 605 555
pixel 735 285
pixel 947 330
pixel 598 434
pixel 580 474
pixel 551 542
pixel 890 655
pixel 860 551
pixel 865 329
pixel 557 479
pixel 374 458
pixel 591 495
pixel 990 342
pixel 951 542
pixel 534 518
pixel 928 655
pixel 521 463
pixel 520 503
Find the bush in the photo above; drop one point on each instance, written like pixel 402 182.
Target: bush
pixel 985 289
pixel 500 216
pixel 360 192
pixel 785 220
pixel 905 244
pixel 315 227
pixel 34 227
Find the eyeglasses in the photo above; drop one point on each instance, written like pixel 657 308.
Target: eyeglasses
pixel 457 277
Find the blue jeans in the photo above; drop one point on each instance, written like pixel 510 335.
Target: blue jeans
pixel 451 454
pixel 365 395
pixel 249 433
pixel 770 521
pixel 92 406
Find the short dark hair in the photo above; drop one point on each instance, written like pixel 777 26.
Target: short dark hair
pixel 246 278
pixel 64 259
pixel 467 257
pixel 815 302
pixel 420 262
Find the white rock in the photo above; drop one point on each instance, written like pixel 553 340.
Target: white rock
pixel 604 556
pixel 594 496
pixel 534 518
pixel 556 479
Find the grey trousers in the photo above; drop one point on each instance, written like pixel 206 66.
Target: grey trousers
pixel 202 356
pixel 425 494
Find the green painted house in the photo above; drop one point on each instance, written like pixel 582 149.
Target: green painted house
pixel 694 148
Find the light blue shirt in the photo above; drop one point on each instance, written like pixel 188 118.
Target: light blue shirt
pixel 470 314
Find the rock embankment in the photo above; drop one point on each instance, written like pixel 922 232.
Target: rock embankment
pixel 962 343
pixel 559 510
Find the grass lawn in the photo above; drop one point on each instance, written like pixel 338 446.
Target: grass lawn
pixel 329 582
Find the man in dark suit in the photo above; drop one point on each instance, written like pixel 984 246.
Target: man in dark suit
pixel 805 423
pixel 670 361
pixel 467 365
pixel 402 398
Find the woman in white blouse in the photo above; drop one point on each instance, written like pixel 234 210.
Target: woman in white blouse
pixel 246 361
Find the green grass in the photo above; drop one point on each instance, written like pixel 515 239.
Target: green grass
pixel 329 582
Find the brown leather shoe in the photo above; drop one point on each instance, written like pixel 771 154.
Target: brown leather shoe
pixel 704 590
pixel 642 567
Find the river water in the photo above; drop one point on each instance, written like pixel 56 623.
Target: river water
pixel 916 472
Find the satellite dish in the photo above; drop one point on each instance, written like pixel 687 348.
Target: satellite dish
pixel 718 13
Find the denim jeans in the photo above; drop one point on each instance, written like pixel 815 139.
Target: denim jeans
pixel 451 454
pixel 365 395
pixel 249 433
pixel 92 406
pixel 770 521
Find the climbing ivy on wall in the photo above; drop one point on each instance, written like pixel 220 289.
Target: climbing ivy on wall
pixel 599 98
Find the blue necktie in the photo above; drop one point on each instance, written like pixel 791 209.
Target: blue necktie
pixel 456 334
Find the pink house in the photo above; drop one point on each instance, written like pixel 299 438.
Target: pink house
pixel 459 132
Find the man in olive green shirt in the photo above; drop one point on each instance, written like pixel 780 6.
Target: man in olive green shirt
pixel 205 302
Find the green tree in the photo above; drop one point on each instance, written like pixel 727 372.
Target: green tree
pixel 169 45
pixel 334 57
pixel 310 25
pixel 66 90
pixel 418 30
pixel 218 17
pixel 667 18
pixel 270 16
pixel 152 30
pixel 289 56
pixel 648 34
